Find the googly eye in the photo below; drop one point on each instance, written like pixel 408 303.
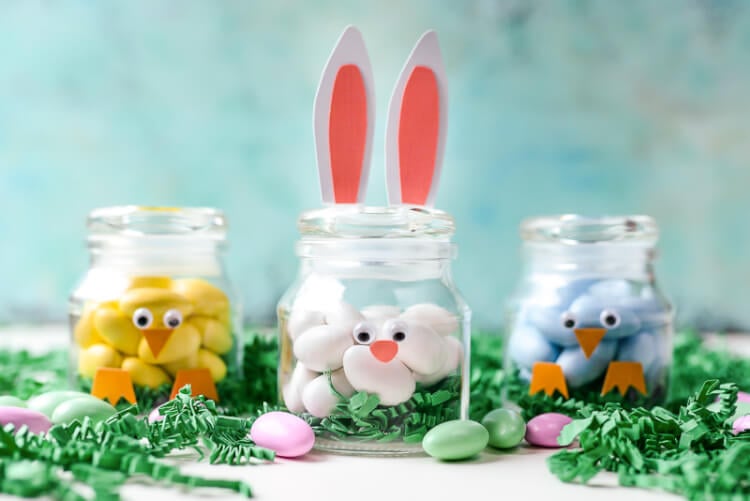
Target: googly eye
pixel 397 330
pixel 609 319
pixel 173 319
pixel 568 320
pixel 143 318
pixel 363 333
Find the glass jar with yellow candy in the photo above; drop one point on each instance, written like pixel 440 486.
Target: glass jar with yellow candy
pixel 155 310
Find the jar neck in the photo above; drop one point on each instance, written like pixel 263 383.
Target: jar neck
pixel 625 260
pixel 159 255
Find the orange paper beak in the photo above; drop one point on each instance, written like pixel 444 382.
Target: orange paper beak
pixel 156 339
pixel 384 350
pixel 589 339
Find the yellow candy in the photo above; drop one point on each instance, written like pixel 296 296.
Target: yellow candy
pixel 189 362
pixel 96 356
pixel 215 335
pixel 151 282
pixel 84 331
pixel 144 374
pixel 207 299
pixel 117 329
pixel 182 342
pixel 213 363
pixel 158 301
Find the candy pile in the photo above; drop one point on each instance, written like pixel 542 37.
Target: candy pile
pixel 585 325
pixel 156 328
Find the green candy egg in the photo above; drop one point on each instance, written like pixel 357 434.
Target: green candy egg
pixel 11 401
pixel 78 408
pixel 454 440
pixel 46 403
pixel 506 428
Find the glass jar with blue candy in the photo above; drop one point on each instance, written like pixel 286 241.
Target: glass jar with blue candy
pixel 588 319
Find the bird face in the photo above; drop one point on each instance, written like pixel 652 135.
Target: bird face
pixel 156 313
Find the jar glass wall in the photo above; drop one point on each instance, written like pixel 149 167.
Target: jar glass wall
pixel 374 334
pixel 588 319
pixel 155 310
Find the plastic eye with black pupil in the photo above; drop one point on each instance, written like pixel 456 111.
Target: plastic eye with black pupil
pixel 363 337
pixel 173 319
pixel 143 318
pixel 609 319
pixel 399 336
pixel 568 320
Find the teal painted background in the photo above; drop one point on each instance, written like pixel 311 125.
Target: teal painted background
pixel 560 106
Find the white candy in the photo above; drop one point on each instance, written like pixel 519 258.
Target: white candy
pixel 322 348
pixel 318 398
pixel 343 315
pixel 301 320
pixel 292 390
pixel 393 382
pixel 454 353
pixel 440 319
pixel 527 346
pixel 422 350
pixel 580 370
pixel 381 311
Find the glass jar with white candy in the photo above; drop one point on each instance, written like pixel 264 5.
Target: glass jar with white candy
pixel 588 319
pixel 374 334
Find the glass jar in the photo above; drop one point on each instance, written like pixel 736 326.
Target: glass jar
pixel 374 336
pixel 588 319
pixel 155 309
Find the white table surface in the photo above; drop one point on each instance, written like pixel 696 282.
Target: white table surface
pixel 520 474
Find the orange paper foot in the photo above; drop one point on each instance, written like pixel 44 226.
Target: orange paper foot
pixel 589 339
pixel 200 381
pixel 113 384
pixel 624 375
pixel 547 377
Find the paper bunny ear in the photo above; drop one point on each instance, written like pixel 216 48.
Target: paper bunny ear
pixel 416 125
pixel 343 120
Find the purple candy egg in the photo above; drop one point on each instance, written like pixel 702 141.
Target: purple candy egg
pixel 544 429
pixel 741 424
pixel 19 416
pixel 286 434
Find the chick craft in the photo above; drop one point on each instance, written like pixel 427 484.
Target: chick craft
pixel 379 350
pixel 158 330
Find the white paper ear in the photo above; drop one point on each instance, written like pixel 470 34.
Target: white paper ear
pixel 416 126
pixel 343 120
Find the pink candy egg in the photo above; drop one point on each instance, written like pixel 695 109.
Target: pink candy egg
pixel 19 416
pixel 284 433
pixel 741 424
pixel 154 416
pixel 544 429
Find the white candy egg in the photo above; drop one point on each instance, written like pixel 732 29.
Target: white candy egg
pixel 454 352
pixel 301 320
pixel 344 315
pixel 322 348
pixel 292 390
pixel 392 381
pixel 318 398
pixel 420 348
pixel 379 311
pixel 441 320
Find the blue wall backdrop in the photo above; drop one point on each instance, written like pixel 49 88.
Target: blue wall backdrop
pixel 560 106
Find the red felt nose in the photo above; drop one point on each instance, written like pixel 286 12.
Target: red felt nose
pixel 384 350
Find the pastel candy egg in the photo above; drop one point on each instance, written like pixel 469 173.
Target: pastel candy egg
pixel 322 348
pixel 455 440
pixel 150 282
pixel 300 320
pixel 639 348
pixel 117 329
pixel 454 352
pixel 613 289
pixel 319 399
pixel 580 370
pixel 422 349
pixel 155 416
pixel 11 401
pixel 206 298
pixel 155 299
pixel 215 336
pixel 84 331
pixel 343 315
pixel 182 341
pixel 46 403
pixel 544 429
pixel 284 433
pixel 391 381
pixel 741 424
pixel 79 408
pixel 381 311
pixel 19 416
pixel 527 346
pixel 549 322
pixel 96 356
pixel 188 362
pixel 292 390
pixel 506 428
pixel 743 397
pixel 143 374
pixel 592 311
pixel 215 365
pixel 441 320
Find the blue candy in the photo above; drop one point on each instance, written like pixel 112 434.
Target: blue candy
pixel 580 370
pixel 527 346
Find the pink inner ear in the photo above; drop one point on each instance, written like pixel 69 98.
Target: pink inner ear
pixel 418 135
pixel 347 133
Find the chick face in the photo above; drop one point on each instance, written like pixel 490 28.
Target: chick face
pixel 156 313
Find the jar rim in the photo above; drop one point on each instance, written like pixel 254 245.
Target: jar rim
pixel 147 222
pixel 358 221
pixel 576 229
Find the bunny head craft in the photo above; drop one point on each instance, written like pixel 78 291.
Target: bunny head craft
pixel 345 334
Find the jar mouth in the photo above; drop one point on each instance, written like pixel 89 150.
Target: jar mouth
pixel 355 221
pixel 574 229
pixel 143 221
